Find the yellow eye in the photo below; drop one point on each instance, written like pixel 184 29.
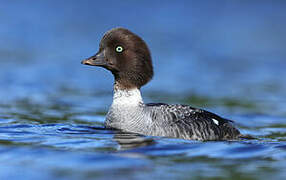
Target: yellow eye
pixel 119 49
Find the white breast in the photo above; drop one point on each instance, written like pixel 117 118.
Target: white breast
pixel 127 112
pixel 131 97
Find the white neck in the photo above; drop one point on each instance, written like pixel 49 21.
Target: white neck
pixel 127 97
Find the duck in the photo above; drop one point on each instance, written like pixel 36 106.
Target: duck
pixel 128 58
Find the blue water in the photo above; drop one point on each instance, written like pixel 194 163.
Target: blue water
pixel 224 56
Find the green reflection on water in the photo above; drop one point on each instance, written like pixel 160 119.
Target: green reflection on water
pixel 206 102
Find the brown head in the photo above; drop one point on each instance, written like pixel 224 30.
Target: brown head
pixel 126 55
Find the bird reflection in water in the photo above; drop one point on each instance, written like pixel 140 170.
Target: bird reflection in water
pixel 128 141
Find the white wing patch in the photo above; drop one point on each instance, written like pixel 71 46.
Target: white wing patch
pixel 215 121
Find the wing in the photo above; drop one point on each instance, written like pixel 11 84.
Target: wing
pixel 183 121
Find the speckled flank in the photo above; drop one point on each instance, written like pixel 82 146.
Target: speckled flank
pixel 179 121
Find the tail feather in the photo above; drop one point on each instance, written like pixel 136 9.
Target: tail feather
pixel 246 136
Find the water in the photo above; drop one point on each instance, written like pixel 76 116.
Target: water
pixel 225 56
